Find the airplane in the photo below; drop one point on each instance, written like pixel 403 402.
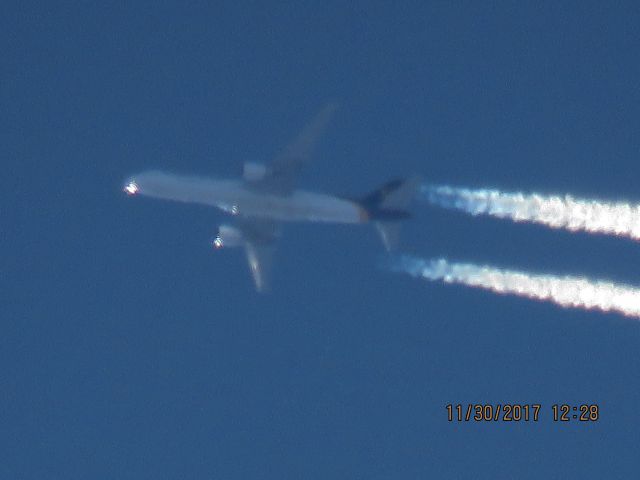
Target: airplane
pixel 266 197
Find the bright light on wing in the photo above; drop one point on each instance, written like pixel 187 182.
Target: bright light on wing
pixel 131 188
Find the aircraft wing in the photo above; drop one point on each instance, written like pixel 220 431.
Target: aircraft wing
pixel 259 236
pixel 260 259
pixel 281 176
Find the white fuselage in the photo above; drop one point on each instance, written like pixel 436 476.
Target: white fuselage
pixel 238 198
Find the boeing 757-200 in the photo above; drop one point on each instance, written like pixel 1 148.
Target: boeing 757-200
pixel 265 197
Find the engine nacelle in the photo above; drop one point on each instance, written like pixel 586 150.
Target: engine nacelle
pixel 252 172
pixel 228 236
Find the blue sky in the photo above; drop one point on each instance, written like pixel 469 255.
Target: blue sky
pixel 129 349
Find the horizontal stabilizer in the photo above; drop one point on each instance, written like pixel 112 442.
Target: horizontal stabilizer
pixel 389 233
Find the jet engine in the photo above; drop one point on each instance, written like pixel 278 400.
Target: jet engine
pixel 228 236
pixel 252 172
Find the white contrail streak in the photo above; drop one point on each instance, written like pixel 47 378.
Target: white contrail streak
pixel 565 291
pixel 565 212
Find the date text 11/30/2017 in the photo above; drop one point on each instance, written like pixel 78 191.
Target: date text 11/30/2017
pixel 517 412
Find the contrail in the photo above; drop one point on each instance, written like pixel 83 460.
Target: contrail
pixel 564 291
pixel 565 212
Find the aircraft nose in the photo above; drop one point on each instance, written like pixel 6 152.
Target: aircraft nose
pixel 131 188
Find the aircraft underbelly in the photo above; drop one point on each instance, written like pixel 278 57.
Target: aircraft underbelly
pixel 236 198
pixel 300 206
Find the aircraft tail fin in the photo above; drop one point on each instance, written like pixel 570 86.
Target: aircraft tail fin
pixel 387 205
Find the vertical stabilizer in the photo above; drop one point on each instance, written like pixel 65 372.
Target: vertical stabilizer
pixel 387 206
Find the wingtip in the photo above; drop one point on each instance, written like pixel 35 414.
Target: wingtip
pixel 262 288
pixel 332 106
